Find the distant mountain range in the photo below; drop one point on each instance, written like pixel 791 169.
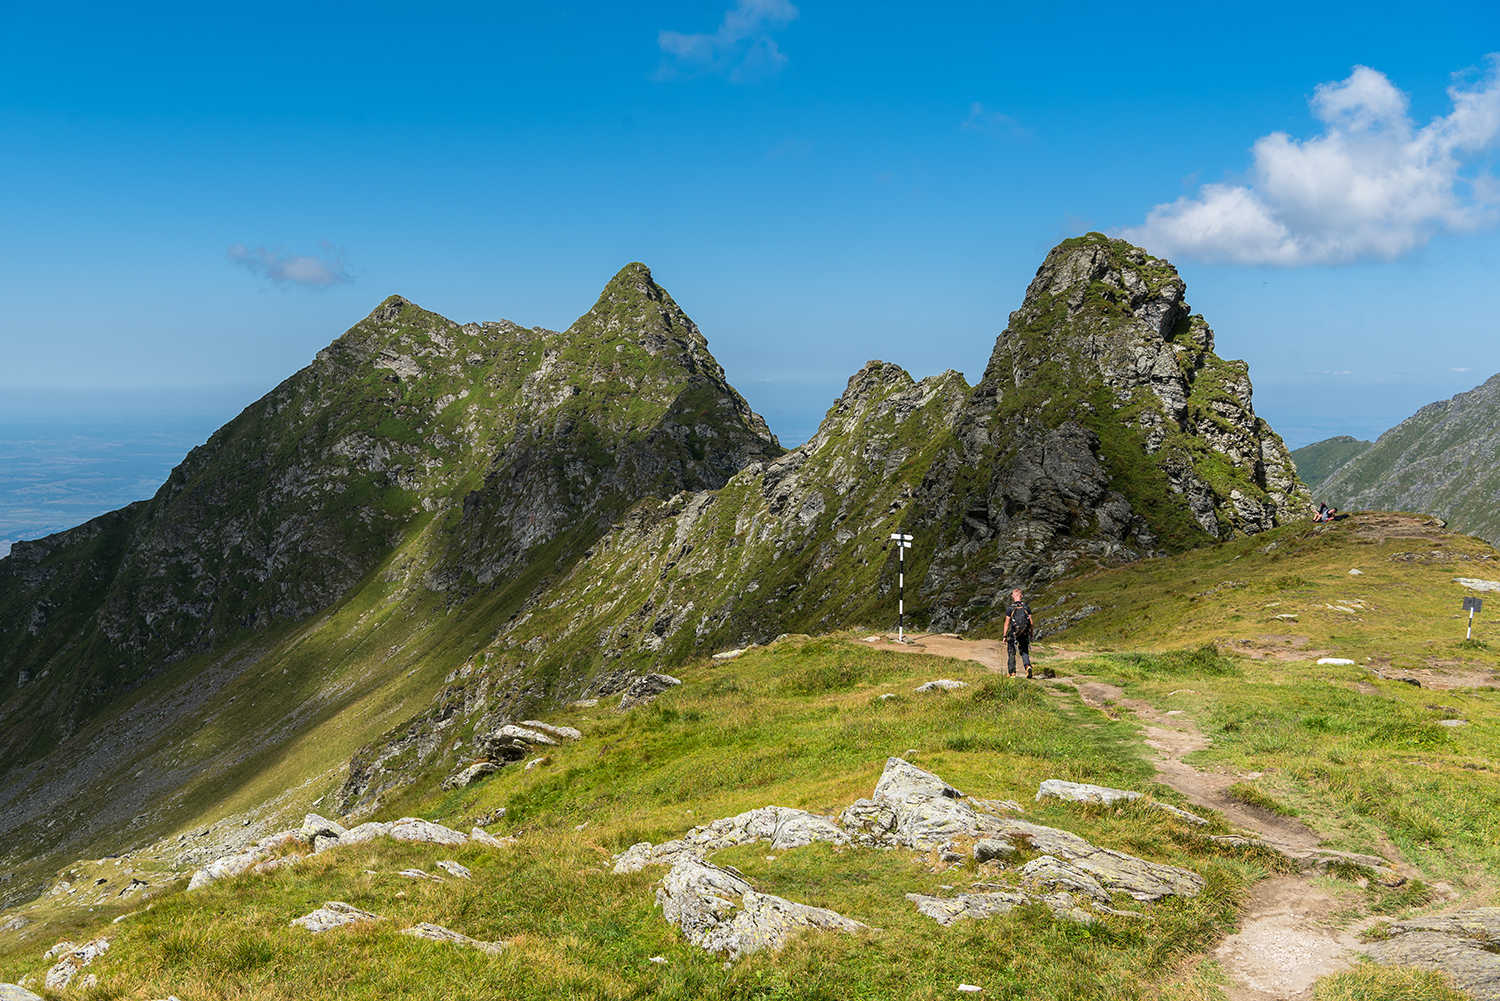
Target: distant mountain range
pixel 436 526
pixel 1444 460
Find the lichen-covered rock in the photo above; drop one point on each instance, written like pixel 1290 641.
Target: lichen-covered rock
pixel 15 992
pixel 781 827
pixel 645 689
pixel 425 831
pixel 1465 945
pixel 1082 792
pixel 74 958
pixel 467 774
pixel 720 912
pixel 993 903
pixel 230 865
pixel 1046 872
pixel 334 914
pixel 482 837
pixel 365 832
pixel 437 933
pixel 314 826
pixel 941 685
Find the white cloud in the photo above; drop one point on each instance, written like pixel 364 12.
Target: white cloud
pixel 307 270
pixel 742 48
pixel 1371 186
pixel 1463 368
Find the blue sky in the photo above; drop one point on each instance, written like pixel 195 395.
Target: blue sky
pixel 195 198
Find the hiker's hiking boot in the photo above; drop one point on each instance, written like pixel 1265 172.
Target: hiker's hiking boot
pixel 1028 670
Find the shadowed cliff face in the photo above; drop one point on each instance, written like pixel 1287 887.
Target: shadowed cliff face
pixel 1104 429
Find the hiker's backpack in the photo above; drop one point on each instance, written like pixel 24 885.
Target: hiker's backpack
pixel 1020 619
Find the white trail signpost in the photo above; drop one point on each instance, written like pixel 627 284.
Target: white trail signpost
pixel 903 543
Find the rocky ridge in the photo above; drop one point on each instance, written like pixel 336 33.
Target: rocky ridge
pixel 518 518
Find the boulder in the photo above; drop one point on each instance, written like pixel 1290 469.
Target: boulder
pixel 455 869
pixel 437 933
pixel 314 826
pixel 525 734
pixel 14 992
pixel 941 685
pixel 781 826
pixel 1464 945
pixel 644 853
pixel 333 914
pixel 480 836
pixel 467 774
pixel 323 842
pixel 555 732
pixel 917 809
pixel 645 689
pixel 229 865
pixel 74 958
pixel 425 831
pixel 720 912
pixel 365 832
pixel 990 849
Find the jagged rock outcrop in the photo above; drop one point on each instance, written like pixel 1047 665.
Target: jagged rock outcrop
pixel 1105 428
pixel 1440 461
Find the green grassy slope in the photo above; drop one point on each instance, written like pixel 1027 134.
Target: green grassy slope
pixel 802 724
pixel 1316 462
pixel 1443 460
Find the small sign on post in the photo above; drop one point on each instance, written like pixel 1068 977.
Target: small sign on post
pixel 903 543
pixel 1472 605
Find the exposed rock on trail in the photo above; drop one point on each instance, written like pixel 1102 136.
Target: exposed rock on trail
pixel 1465 945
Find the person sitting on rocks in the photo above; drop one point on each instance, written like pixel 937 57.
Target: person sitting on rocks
pixel 1017 633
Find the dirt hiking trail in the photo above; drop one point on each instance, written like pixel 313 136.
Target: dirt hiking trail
pixel 1288 937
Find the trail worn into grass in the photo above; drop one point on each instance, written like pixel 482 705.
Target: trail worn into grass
pixel 1287 937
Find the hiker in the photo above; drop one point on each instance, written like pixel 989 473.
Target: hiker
pixel 1017 633
pixel 1325 513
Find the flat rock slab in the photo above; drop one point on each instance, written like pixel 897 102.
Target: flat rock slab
pixel 1082 792
pixel 334 914
pixel 437 933
pixel 992 903
pixel 941 685
pixel 1461 945
pixel 424 831
pixel 15 992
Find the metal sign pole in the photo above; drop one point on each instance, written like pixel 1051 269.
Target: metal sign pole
pixel 903 543
pixel 1472 605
